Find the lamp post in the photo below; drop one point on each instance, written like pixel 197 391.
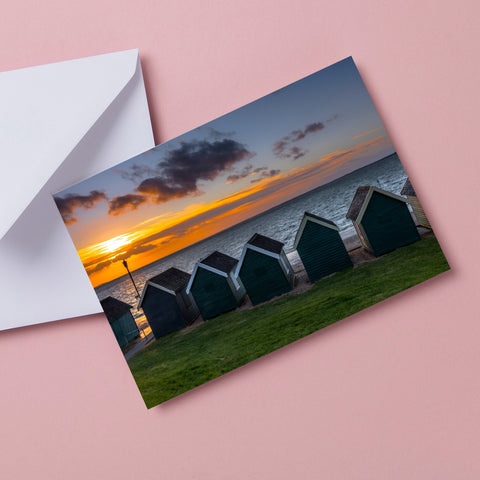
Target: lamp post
pixel 125 264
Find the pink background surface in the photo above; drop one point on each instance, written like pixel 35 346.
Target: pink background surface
pixel 392 392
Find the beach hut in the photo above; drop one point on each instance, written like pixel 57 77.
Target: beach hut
pixel 121 320
pixel 320 247
pixel 409 192
pixel 166 304
pixel 264 269
pixel 214 286
pixel 382 220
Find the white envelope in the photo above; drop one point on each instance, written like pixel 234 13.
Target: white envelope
pixel 59 124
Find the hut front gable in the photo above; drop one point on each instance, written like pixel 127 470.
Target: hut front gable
pixel 259 263
pixel 264 276
pixel 171 281
pixel 388 224
pixel 248 247
pixel 322 251
pixel 384 211
pixel 162 311
pixel 308 219
pixel 199 266
pixel 152 286
pixel 212 292
pixel 319 240
pixel 362 199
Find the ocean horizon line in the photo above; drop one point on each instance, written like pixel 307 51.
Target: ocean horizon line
pixel 251 219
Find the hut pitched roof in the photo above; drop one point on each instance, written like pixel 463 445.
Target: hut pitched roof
pixel 266 243
pixel 220 261
pixel 263 245
pixel 321 219
pixel 172 279
pixel 408 189
pixel 114 308
pixel 357 202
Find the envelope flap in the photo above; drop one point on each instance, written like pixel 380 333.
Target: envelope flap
pixel 44 113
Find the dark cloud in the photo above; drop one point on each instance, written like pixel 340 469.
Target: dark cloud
pixel 245 172
pixel 297 135
pixel 135 249
pixel 157 239
pixel 162 190
pixel 132 250
pixel 99 266
pixel 296 152
pixel 279 147
pixel 216 135
pixel 192 161
pixel 124 203
pixel 68 204
pixel 300 177
pixel 282 148
pixel 313 127
pixel 136 172
pixel 265 174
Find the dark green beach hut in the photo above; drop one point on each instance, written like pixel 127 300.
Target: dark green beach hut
pixel 214 286
pixel 166 304
pixel 264 269
pixel 417 208
pixel 382 220
pixel 320 247
pixel 121 320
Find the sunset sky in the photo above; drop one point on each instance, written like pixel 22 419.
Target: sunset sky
pixel 230 169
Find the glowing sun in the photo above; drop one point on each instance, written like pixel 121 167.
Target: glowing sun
pixel 115 243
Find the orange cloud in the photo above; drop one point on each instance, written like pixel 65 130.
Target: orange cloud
pixel 174 231
pixel 366 133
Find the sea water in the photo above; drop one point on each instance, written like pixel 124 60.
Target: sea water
pixel 330 201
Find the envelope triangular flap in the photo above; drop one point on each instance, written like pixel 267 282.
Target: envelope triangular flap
pixel 62 99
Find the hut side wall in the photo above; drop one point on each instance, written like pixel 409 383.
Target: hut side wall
pixel 263 277
pixel 162 312
pixel 322 251
pixel 418 211
pixel 188 307
pixel 363 238
pixel 388 224
pixel 212 294
pixel 125 329
pixel 238 293
pixel 290 274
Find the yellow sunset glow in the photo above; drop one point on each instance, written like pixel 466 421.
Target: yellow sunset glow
pixel 158 237
pixel 115 243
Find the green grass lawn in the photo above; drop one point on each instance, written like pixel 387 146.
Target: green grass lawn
pixel 183 360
